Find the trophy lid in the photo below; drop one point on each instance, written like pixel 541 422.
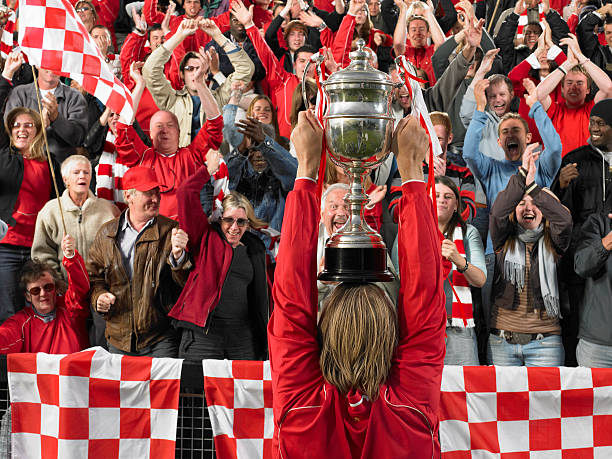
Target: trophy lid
pixel 359 70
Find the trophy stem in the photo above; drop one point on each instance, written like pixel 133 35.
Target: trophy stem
pixel 357 199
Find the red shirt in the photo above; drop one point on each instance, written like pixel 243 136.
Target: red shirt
pixel 170 170
pixel 26 331
pixel 572 124
pixel 36 178
pixel 421 58
pixel 403 420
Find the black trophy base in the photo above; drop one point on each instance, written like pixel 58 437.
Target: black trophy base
pixel 359 265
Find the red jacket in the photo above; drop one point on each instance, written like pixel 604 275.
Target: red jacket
pixel 343 39
pixel 212 257
pixel 281 83
pixel 171 170
pixel 403 421
pixel 27 332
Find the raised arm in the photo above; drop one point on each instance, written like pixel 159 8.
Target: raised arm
pixel 292 331
pixel 421 315
pixel 401 29
pixel 78 279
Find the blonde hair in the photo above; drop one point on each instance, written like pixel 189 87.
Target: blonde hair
pixel 37 151
pixel 359 334
pixel 236 200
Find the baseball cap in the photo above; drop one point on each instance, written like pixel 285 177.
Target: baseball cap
pixel 140 178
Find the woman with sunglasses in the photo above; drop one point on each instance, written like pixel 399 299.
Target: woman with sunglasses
pixel 222 312
pixel 25 187
pixel 51 322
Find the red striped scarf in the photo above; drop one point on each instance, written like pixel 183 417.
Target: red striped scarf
pixel 523 19
pixel 462 313
pixel 7 40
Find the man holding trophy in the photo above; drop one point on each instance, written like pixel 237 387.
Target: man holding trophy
pixel 364 381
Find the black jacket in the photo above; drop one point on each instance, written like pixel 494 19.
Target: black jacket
pixel 594 263
pixel 504 40
pixel 11 168
pixel 589 44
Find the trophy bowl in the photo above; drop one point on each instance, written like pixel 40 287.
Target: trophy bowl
pixel 358 128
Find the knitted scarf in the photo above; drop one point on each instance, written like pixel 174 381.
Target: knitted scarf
pixel 514 268
pixel 523 21
pixel 462 310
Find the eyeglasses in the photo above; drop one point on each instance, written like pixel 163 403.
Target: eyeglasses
pixel 35 291
pixel 189 68
pixel 239 221
pixel 28 125
pixel 83 9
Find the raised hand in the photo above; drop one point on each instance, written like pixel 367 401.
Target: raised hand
pixel 213 160
pixel 480 94
pixel 520 7
pixel 179 240
pixel 531 96
pixel 450 252
pixel 139 21
pixel 377 195
pixel 244 15
pixel 136 72
pixel 356 6
pixel 209 27
pixel 68 246
pixel 487 62
pixel 530 156
pixel 306 138
pixel 252 128
pixel 12 64
pixel 310 19
pixel 473 31
pixel 169 13
pixel 213 59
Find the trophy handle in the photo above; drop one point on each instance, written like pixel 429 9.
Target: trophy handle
pixel 314 59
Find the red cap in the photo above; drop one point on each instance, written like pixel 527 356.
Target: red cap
pixel 140 178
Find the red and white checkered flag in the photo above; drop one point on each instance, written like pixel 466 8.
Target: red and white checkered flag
pixel 93 404
pixel 53 37
pixel 7 42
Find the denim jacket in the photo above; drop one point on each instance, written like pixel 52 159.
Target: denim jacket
pixel 266 190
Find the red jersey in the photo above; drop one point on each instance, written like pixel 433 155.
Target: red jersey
pixel 572 124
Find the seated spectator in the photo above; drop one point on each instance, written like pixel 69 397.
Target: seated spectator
pixel 27 185
pixel 188 104
pixel 600 54
pixel 461 246
pixel 523 22
pixel 136 264
pixel 222 312
pixel 83 215
pixel 418 29
pixel 171 164
pixel 537 66
pixel 594 262
pixel 102 38
pixel 64 112
pixel 52 323
pixel 530 230
pixel 583 186
pixel 261 170
pixel 570 114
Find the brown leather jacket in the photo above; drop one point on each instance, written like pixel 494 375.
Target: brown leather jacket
pixel 142 304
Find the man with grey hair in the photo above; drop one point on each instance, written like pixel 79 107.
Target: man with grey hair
pixel 136 266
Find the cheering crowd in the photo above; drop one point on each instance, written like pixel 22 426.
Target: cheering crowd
pixel 164 238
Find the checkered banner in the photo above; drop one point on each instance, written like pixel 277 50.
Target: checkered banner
pixel 93 404
pixel 485 412
pixel 7 40
pixel 53 37
pixel 239 398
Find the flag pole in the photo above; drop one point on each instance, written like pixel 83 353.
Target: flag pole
pixel 44 131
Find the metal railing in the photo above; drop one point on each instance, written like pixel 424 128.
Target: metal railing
pixel 194 437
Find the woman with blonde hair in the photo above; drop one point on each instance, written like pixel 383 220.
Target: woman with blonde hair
pixel 26 185
pixel 222 312
pixel 364 381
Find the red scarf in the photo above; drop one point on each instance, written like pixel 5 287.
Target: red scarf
pixel 462 313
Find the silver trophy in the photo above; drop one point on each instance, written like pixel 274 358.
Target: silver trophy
pixel 358 128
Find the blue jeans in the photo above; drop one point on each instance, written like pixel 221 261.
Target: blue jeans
pixel 12 259
pixel 545 352
pixel 593 355
pixel 461 347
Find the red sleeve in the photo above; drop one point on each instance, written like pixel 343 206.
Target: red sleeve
pixel 327 37
pixel 191 216
pixel 341 47
pixel 419 359
pixel 78 285
pixel 572 23
pixel 275 73
pixel 387 39
pixel 133 50
pixel 150 12
pixel 222 21
pixel 130 148
pixel 209 136
pixel 561 58
pixel 517 74
pixel 292 331
pixel 11 333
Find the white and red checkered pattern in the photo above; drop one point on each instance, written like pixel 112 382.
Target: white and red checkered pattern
pixel 7 41
pixel 93 404
pixel 239 398
pixel 53 37
pixel 521 412
pixel 485 412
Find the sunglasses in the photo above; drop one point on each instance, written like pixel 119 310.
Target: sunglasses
pixel 25 125
pixel 83 10
pixel 190 68
pixel 35 291
pixel 239 221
